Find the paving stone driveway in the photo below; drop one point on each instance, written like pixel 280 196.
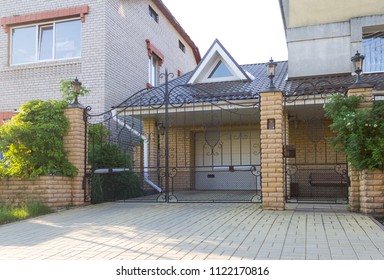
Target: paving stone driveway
pixel 138 231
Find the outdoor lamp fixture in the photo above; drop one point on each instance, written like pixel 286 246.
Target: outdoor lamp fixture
pixel 76 86
pixel 357 60
pixel 161 128
pixel 271 70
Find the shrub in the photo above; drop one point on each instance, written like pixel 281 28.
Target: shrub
pixel 103 154
pixel 359 132
pixel 32 141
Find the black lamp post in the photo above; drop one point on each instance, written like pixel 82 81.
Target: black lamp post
pixel 76 87
pixel 357 60
pixel 271 70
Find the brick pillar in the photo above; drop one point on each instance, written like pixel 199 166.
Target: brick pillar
pixel 372 192
pixel 272 140
pixel 74 144
pixel 365 91
pixel 354 189
pixel 366 192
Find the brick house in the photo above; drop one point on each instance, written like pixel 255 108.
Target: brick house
pixel 115 48
pixel 235 131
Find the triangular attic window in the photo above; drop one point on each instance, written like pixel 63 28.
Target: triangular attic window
pixel 218 66
pixel 220 71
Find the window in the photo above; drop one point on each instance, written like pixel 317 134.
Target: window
pixel 45 42
pixel 220 71
pixel 373 50
pixel 181 46
pixel 156 59
pixel 154 70
pixel 153 14
pixel 49 41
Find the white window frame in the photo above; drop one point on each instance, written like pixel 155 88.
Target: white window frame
pixel 153 70
pixel 374 59
pixel 39 40
pixel 38 27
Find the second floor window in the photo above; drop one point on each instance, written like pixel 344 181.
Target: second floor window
pixel 154 70
pixel 373 50
pixel 153 14
pixel 181 46
pixel 48 41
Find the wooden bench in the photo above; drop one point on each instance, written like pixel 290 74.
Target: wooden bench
pixel 327 179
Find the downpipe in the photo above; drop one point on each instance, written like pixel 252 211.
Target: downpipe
pixel 146 149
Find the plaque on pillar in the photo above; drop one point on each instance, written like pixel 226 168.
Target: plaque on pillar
pixel 289 151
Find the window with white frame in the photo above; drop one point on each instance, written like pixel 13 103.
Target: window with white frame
pixel 373 51
pixel 154 70
pixel 47 41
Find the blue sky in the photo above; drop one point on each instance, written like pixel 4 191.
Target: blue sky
pixel 251 30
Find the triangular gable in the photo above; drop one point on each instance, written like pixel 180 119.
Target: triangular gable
pixel 218 66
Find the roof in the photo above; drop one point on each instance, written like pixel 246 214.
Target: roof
pixel 167 13
pixel 331 83
pixel 183 93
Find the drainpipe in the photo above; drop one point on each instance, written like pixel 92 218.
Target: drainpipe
pixel 146 154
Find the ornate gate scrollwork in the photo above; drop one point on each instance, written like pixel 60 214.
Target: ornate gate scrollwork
pixel 316 172
pixel 160 139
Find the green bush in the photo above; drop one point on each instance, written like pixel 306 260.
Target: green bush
pixel 102 154
pixel 32 141
pixel 359 132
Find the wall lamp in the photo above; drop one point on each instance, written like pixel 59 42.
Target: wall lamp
pixel 161 128
pixel 357 60
pixel 271 70
pixel 76 87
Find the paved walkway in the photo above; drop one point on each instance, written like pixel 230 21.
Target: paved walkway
pixel 137 231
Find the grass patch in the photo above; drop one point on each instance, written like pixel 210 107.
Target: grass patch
pixel 10 214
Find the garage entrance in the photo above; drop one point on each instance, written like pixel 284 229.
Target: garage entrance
pixel 227 160
pixel 178 143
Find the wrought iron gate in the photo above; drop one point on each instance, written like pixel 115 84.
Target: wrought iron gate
pixel 177 143
pixel 315 172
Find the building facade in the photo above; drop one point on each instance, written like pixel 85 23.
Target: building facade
pixel 114 47
pixel 322 36
pixel 231 132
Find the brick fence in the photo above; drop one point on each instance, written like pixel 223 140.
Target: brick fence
pixel 54 191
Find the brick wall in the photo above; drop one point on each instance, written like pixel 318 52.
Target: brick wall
pixel 128 25
pixel 54 191
pixel 181 155
pixel 20 83
pixel 114 58
pixel 313 150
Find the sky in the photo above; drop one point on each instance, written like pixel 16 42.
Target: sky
pixel 252 31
